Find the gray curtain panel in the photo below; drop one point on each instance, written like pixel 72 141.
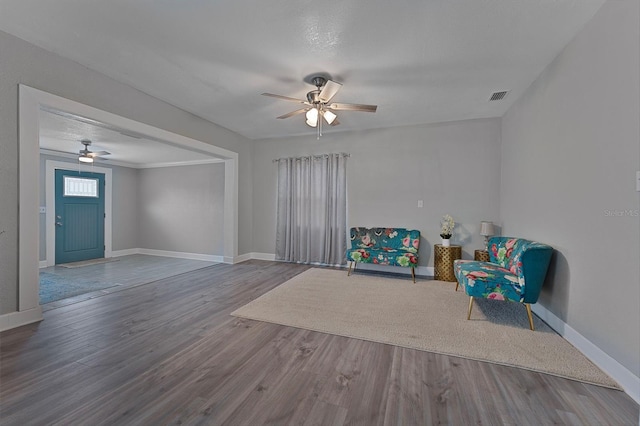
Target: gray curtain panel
pixel 312 209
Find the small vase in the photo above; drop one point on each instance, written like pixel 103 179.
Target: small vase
pixel 446 242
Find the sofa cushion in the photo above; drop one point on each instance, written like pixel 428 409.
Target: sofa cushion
pixel 488 280
pixel 385 256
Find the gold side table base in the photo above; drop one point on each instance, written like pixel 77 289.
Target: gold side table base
pixel 481 255
pixel 443 261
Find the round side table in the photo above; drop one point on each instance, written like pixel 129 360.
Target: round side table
pixel 443 258
pixel 481 255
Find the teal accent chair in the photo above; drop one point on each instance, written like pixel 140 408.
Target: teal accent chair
pixel 515 272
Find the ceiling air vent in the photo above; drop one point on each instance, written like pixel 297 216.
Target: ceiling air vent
pixel 498 96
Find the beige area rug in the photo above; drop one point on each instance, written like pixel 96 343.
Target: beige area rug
pixel 428 316
pixel 88 262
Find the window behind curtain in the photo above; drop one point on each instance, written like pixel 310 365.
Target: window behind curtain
pixel 312 209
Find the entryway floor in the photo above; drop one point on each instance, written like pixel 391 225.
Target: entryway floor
pixel 60 286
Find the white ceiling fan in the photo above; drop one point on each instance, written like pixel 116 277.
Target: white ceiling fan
pixel 86 156
pixel 318 105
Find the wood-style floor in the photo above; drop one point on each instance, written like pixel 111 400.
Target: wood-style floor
pixel 168 352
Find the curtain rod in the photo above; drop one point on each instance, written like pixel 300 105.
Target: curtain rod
pixel 307 157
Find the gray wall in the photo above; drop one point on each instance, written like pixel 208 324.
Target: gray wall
pixel 181 209
pixel 570 152
pixel 126 208
pixel 21 62
pixel 453 167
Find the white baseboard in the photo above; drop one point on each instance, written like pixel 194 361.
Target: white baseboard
pixel 125 252
pixel 257 256
pixel 629 382
pixel 426 271
pixel 182 255
pixel 42 264
pixel 20 318
pixel 242 257
pixel 263 256
pixel 420 270
pixel 166 253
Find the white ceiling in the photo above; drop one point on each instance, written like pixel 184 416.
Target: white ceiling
pixel 420 61
pixel 61 133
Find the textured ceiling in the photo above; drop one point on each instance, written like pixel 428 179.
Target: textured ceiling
pixel 61 133
pixel 421 61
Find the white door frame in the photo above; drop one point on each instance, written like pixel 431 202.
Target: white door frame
pixel 30 102
pixel 50 196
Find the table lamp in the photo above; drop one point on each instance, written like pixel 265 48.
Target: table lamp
pixel 486 230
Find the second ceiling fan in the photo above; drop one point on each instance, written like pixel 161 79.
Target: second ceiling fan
pixel 86 156
pixel 318 105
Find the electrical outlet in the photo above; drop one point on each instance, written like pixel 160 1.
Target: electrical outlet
pixel 43 209
pixel 420 204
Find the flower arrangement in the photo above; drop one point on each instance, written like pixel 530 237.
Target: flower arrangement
pixel 447 225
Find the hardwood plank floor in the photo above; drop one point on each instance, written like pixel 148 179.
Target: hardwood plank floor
pixel 168 352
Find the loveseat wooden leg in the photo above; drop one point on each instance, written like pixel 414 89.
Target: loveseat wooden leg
pixel 354 267
pixel 470 306
pixel 413 274
pixel 528 306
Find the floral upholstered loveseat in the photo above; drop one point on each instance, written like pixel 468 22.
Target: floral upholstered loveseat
pixel 515 272
pixel 384 246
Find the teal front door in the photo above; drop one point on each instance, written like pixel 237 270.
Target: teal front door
pixel 79 216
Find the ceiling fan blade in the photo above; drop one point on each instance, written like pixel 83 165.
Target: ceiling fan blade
pixel 285 98
pixel 292 113
pixel 329 91
pixel 335 122
pixel 353 107
pixel 98 153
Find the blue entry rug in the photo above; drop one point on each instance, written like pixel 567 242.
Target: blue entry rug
pixel 55 287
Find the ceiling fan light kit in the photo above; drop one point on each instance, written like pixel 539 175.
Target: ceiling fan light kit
pixel 318 108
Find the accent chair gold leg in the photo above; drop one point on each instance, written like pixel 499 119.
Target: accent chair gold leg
pixel 349 272
pixel 470 306
pixel 413 274
pixel 528 306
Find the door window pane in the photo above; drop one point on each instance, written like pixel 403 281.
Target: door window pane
pixel 80 187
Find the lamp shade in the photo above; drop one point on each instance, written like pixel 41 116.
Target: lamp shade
pixel 486 229
pixel 85 159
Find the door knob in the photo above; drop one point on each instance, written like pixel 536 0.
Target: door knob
pixel 58 223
